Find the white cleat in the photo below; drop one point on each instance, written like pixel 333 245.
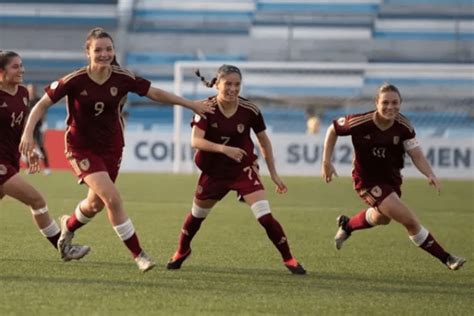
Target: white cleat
pixel 144 262
pixel 64 241
pixel 341 235
pixel 455 262
pixel 76 252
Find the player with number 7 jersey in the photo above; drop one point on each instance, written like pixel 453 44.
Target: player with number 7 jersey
pixel 230 131
pixel 228 163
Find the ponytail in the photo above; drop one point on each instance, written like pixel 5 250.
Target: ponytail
pixel 208 84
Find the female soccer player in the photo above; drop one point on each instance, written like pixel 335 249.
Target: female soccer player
pixel 381 138
pixel 226 158
pixel 13 113
pixel 94 138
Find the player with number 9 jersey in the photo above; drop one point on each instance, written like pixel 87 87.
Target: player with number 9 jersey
pixel 95 97
pixel 95 109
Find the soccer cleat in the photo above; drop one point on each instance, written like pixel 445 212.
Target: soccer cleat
pixel 455 262
pixel 64 241
pixel 341 235
pixel 144 262
pixel 177 260
pixel 294 267
pixel 76 252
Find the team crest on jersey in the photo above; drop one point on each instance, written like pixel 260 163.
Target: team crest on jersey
pixel 113 91
pixel 84 164
pixel 197 118
pixel 376 191
pixel 240 128
pixel 396 140
pixel 54 85
pixel 214 125
pixel 25 101
pixel 341 121
pixel 4 105
pixel 3 170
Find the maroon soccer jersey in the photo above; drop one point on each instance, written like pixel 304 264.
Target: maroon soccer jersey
pixel 379 155
pixel 232 131
pixel 94 110
pixel 13 114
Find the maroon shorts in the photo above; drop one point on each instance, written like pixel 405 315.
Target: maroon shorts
pixel 86 162
pixel 8 170
pixel 212 188
pixel 375 194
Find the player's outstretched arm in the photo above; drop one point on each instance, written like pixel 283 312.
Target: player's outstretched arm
pixel 27 144
pixel 327 168
pixel 198 107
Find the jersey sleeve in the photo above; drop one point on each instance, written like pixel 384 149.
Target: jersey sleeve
pixel 139 86
pixel 199 121
pixel 407 129
pixel 57 90
pixel 342 126
pixel 259 123
pixel 408 134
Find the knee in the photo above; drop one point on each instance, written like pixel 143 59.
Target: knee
pixel 382 220
pixel 96 206
pixel 374 217
pixel 411 224
pixel 37 202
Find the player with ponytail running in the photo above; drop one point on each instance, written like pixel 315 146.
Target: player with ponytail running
pixel 225 155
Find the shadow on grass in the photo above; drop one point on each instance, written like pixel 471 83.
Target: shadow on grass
pixel 219 278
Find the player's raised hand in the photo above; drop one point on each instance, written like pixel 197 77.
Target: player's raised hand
pixel 328 171
pixel 203 107
pixel 433 181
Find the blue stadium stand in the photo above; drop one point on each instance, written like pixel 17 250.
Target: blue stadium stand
pixel 186 16
pixel 57 13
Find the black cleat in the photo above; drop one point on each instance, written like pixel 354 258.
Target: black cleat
pixel 177 260
pixel 342 234
pixel 295 267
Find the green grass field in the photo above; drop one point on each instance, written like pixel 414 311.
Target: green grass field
pixel 234 268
